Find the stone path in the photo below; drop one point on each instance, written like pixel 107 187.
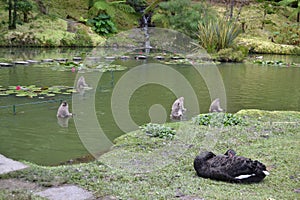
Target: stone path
pixel 64 192
pixel 8 165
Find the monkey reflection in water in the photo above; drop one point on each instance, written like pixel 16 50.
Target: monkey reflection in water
pixel 178 109
pixel 63 114
pixel 81 85
pixel 215 106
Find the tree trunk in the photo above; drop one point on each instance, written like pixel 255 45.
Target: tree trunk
pixel 91 3
pixel 9 14
pixel 231 9
pixel 25 17
pixel 42 7
pixel 14 20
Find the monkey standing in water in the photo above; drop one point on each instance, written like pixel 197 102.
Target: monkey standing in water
pixel 81 83
pixel 178 109
pixel 63 110
pixel 215 106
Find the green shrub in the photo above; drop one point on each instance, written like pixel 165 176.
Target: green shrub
pixel 231 55
pixel 214 35
pixel 288 34
pixel 218 119
pixel 102 24
pixel 158 130
pixel 82 38
pixel 182 15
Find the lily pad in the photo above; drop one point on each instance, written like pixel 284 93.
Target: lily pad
pixel 71 91
pixel 21 95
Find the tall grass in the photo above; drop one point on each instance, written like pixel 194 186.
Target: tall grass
pixel 217 34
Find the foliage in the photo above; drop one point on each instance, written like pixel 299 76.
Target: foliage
pixel 81 38
pixel 288 34
pixel 158 130
pixel 292 2
pixel 230 119
pixel 138 5
pixel 218 119
pixel 232 55
pixel 110 8
pixel 102 24
pixel 23 39
pixel 25 7
pixel 214 35
pixel 182 15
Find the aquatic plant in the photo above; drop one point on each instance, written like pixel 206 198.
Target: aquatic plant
pixel 35 91
pixel 276 63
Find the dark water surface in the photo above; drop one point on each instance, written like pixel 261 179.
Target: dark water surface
pixel 34 133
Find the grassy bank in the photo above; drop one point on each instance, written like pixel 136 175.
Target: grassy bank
pixel 143 167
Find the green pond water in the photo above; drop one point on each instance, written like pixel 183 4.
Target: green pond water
pixel 34 133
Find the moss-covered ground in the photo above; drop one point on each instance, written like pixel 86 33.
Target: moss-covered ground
pixel 143 167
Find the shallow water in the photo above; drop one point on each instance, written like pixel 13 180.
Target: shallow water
pixel 34 133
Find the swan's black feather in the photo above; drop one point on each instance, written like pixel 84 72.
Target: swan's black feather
pixel 229 167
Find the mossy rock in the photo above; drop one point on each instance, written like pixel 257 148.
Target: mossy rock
pixel 231 55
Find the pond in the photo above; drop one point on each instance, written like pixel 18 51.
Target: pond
pixel 34 134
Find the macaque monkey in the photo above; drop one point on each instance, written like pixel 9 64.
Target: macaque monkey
pixel 63 110
pixel 81 83
pixel 215 106
pixel 178 109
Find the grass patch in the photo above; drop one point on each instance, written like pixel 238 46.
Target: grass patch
pixel 143 167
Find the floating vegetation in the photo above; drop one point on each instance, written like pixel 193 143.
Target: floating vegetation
pixel 32 91
pixel 181 61
pixel 276 63
pixel 112 67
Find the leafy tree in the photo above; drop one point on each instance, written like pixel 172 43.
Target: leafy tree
pixel 182 15
pixel 295 3
pixel 25 7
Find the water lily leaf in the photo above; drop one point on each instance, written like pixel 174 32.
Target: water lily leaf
pixel 3 94
pixel 11 91
pixel 71 91
pixel 56 92
pixel 50 95
pixel 21 95
pixel 32 95
pixel 12 87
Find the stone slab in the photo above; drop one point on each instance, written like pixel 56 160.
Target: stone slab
pixel 66 192
pixel 9 165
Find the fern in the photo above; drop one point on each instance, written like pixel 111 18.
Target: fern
pixel 111 7
pixel 125 8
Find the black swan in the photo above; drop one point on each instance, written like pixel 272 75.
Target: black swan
pixel 229 167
